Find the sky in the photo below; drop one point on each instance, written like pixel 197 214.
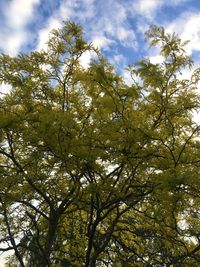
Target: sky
pixel 115 26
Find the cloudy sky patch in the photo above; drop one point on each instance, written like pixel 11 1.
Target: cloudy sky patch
pixel 113 24
pixel 117 27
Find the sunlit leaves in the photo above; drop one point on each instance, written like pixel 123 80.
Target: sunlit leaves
pixel 94 171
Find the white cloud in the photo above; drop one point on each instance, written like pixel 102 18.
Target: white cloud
pixel 131 78
pixel 119 61
pixel 127 77
pixel 157 59
pixel 103 29
pixel 148 8
pixel 43 35
pixel 13 42
pixel 64 12
pixel 66 9
pixel 126 37
pixel 102 42
pixel 84 10
pixel 113 23
pixel 4 88
pixel 18 13
pixel 85 58
pixel 187 26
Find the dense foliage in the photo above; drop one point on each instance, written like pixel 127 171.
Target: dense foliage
pixel 93 171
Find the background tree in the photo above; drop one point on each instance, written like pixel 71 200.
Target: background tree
pixel 95 172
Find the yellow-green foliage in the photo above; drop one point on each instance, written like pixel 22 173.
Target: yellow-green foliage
pixel 96 172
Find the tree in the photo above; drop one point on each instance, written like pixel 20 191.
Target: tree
pixel 95 172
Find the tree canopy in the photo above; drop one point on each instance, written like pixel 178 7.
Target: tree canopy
pixel 94 171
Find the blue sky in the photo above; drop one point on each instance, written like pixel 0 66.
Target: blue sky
pixel 115 26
